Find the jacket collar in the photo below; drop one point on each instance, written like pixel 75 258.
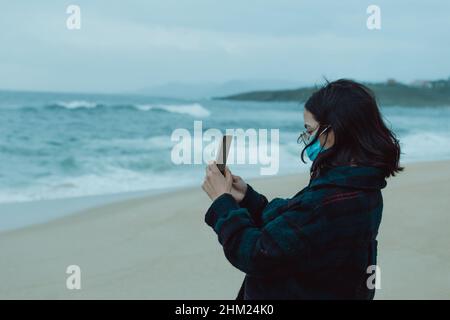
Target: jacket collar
pixel 351 176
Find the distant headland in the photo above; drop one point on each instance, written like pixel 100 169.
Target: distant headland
pixel 388 93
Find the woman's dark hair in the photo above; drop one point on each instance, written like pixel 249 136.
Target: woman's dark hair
pixel 361 137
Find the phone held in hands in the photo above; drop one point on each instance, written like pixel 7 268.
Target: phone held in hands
pixel 222 152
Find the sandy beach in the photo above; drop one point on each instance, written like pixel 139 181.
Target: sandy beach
pixel 158 247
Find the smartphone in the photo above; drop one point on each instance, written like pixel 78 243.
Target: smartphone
pixel 222 152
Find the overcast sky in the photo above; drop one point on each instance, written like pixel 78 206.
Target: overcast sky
pixel 129 45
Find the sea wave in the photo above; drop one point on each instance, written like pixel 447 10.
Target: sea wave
pixel 119 180
pixel 161 142
pixel 76 104
pixel 127 173
pixel 192 109
pixel 425 145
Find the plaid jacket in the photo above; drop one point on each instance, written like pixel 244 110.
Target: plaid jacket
pixel 315 245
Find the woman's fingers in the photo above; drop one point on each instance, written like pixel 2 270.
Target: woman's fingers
pixel 213 167
pixel 237 180
pixel 208 167
pixel 228 172
pixel 228 176
pixel 216 184
pixel 205 182
pixel 206 186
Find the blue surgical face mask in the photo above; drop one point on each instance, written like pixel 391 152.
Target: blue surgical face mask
pixel 313 150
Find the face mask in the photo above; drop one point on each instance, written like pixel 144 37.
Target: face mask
pixel 313 150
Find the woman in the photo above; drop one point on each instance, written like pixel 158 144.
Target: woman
pixel 320 243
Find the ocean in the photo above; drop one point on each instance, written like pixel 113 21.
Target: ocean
pixel 56 146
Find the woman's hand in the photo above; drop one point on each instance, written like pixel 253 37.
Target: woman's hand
pixel 215 184
pixel 238 188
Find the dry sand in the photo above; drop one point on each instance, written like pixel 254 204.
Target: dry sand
pixel 158 247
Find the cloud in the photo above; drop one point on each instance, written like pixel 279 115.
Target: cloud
pixel 121 47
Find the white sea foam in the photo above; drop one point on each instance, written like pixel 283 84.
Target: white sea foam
pixel 108 178
pixel 90 157
pixel 77 104
pixel 194 109
pixel 425 145
pixel 117 180
pixel 161 142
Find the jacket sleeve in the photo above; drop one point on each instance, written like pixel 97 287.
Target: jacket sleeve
pixel 259 251
pixel 255 203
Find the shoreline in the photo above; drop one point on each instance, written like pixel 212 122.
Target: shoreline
pixel 25 214
pixel 158 246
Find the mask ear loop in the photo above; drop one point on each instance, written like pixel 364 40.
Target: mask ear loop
pixel 326 137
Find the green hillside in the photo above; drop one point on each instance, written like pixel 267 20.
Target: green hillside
pixel 426 93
